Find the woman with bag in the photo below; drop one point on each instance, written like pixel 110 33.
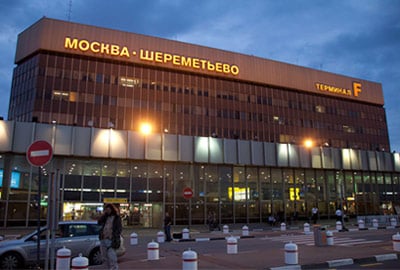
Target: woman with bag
pixel 110 236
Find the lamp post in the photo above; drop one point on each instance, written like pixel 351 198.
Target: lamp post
pixel 308 144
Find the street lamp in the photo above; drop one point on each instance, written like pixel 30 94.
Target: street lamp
pixel 308 143
pixel 145 128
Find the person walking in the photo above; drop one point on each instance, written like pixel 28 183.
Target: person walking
pixel 314 214
pixel 339 214
pixel 110 236
pixel 167 227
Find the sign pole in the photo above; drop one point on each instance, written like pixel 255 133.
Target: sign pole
pixel 38 154
pixel 190 212
pixel 38 219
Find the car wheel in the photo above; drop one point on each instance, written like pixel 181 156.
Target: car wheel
pixel 11 260
pixel 95 257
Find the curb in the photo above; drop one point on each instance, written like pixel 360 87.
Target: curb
pixel 341 262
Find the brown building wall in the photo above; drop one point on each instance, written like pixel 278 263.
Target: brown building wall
pixel 49 34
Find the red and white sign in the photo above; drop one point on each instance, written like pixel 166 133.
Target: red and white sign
pixel 39 153
pixel 187 193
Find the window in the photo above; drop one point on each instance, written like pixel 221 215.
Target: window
pixel 320 109
pixel 60 95
pixel 129 81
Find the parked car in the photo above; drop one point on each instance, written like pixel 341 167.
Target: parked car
pixel 78 236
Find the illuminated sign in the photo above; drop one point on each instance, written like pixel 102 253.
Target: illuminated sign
pixel 294 194
pixel 156 57
pixel 355 91
pixel 15 179
pixel 115 200
pixel 238 193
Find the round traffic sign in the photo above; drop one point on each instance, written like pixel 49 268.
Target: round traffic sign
pixel 39 153
pixel 187 193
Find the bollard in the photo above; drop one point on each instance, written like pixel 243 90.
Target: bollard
pixel 185 233
pixel 225 229
pixel 153 251
pixel 283 226
pixel 189 260
pixel 393 222
pixel 245 231
pixel 134 239
pixel 306 227
pixel 291 254
pixel 375 223
pixel 339 226
pixel 231 245
pixel 81 263
pixel 329 238
pixel 63 259
pixel 361 224
pixel 160 237
pixel 396 242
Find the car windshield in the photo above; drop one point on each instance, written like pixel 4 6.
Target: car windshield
pixel 30 233
pixel 67 230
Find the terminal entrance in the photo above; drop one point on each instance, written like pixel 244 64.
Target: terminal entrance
pixel 139 215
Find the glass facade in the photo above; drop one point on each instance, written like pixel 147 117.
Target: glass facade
pixel 237 194
pixel 82 91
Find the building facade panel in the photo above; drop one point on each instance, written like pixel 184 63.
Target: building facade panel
pixel 257 153
pixel 244 152
pixel 6 130
pixel 118 149
pixel 153 147
pixel 81 144
pixel 230 151
pixel 170 147
pixel 216 147
pixel 270 154
pixel 282 155
pixel 186 148
pixel 136 143
pixel 202 150
pixel 63 140
pixel 293 153
pixel 23 136
pixel 373 162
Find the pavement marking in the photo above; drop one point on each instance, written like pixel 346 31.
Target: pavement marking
pixel 386 257
pixel 309 240
pixel 287 267
pixel 370 264
pixel 341 262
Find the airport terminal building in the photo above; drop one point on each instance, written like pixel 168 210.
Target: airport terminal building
pixel 227 127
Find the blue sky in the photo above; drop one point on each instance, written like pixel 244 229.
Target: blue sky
pixel 357 38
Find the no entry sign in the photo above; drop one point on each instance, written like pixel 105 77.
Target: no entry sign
pixel 187 193
pixel 39 153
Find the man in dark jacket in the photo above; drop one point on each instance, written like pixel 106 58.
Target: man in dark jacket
pixel 110 235
pixel 167 227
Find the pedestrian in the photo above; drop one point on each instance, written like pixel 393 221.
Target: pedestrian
pixel 167 227
pixel 339 214
pixel 210 221
pixel 110 236
pixel 215 221
pixel 314 214
pixel 271 220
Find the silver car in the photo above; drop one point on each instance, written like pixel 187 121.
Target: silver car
pixel 78 236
